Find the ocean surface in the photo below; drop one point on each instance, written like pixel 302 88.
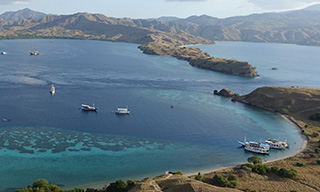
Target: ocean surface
pixel 48 136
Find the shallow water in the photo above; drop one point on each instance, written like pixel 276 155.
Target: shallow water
pixel 49 137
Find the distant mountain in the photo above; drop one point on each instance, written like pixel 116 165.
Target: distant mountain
pixel 96 26
pixel 315 7
pixel 21 14
pixel 299 27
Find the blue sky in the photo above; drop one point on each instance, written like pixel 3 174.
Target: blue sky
pixel 156 8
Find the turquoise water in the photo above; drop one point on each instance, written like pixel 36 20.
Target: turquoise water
pixel 49 137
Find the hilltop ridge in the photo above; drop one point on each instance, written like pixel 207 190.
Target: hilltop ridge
pixel 157 38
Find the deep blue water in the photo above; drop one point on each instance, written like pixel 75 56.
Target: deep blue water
pixel 49 137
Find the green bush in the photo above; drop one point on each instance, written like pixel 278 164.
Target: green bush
pixel 247 165
pixel 255 160
pixel 274 169
pixel 222 181
pixel 291 174
pixel 318 162
pixel 261 169
pixel 40 183
pixel 300 164
pixel 118 186
pixel 315 117
pixel 283 111
pixel 199 177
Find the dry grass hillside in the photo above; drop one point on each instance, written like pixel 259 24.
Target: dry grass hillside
pixel 299 103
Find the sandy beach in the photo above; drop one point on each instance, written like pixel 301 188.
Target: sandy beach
pixel 302 148
pixel 207 171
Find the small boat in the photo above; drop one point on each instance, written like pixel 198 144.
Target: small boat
pixel 34 52
pixel 88 108
pixel 277 144
pixel 4 53
pixel 274 68
pixel 122 111
pixel 52 90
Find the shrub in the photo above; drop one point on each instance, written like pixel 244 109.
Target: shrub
pixel 255 160
pixel 131 182
pixel 222 181
pixel 316 150
pixel 315 117
pixel 199 177
pixel 318 162
pixel 291 174
pixel 274 169
pixel 40 183
pixel 247 165
pixel 313 155
pixel 300 164
pixel 118 186
pixel 284 111
pixel 261 169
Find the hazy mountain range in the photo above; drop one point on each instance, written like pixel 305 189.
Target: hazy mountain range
pixel 299 27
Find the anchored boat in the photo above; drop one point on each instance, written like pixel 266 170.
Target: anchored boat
pixel 277 144
pixel 52 90
pixel 255 147
pixel 88 107
pixel 122 111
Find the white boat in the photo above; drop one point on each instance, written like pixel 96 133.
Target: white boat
pixel 255 147
pixel 4 53
pixel 277 144
pixel 122 111
pixel 52 90
pixel 88 108
pixel 34 52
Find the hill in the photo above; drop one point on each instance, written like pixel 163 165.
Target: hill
pixel 21 14
pixel 157 38
pixel 298 27
pixel 299 103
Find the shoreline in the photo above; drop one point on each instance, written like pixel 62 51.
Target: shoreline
pixel 301 149
pixel 208 171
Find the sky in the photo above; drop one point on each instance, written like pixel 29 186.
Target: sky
pixel 156 8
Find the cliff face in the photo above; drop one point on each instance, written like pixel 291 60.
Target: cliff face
pixel 297 102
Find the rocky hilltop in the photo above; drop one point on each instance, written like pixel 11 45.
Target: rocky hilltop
pixel 299 103
pixel 158 38
pixel 297 26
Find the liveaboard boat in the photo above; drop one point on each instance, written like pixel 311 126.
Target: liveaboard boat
pixel 122 111
pixel 88 107
pixel 52 90
pixel 255 147
pixel 277 144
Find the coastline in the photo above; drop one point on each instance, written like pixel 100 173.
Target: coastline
pixel 208 171
pixel 301 149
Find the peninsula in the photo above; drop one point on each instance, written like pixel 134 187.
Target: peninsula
pixel 154 36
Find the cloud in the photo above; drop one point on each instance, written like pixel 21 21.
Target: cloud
pixel 15 2
pixel 282 4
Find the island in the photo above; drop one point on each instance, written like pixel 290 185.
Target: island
pixel 154 36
